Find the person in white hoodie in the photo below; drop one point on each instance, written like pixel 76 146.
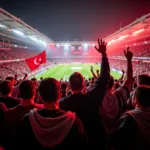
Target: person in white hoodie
pixel 51 127
pixel 133 131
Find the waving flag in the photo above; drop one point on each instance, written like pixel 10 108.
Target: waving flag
pixel 34 62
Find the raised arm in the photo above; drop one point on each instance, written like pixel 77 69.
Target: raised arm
pixel 92 71
pixel 122 77
pixel 129 73
pixel 97 93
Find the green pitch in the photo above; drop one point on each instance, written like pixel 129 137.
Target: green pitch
pixel 65 70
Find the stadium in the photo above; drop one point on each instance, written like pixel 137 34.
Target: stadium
pixel 77 93
pixel 21 41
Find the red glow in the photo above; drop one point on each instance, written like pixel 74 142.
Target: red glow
pixel 122 37
pixel 137 32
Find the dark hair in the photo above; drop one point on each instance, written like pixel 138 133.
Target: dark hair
pixel 116 85
pixel 33 79
pixel 92 79
pixel 116 80
pixel 76 81
pixel 9 78
pixel 27 89
pixel 6 87
pixel 63 86
pixel 142 93
pixel 110 82
pixel 49 89
pixel 144 79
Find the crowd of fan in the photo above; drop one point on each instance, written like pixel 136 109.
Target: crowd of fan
pixel 139 67
pixel 95 113
pixel 17 53
pixel 20 68
pixel 138 50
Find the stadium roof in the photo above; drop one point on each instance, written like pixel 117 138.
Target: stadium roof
pixel 14 28
pixel 139 29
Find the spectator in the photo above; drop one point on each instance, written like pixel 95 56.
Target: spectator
pixel 86 106
pixel 114 102
pixel 51 127
pixel 134 126
pixel 6 89
pixel 27 91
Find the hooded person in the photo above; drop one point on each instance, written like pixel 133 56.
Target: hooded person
pixel 134 126
pixel 51 127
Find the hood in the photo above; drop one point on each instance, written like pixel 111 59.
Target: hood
pixel 142 118
pixel 51 131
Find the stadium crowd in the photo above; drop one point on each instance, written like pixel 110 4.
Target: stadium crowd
pixel 96 113
pixel 16 53
pixel 142 50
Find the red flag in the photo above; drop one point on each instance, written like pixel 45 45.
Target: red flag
pixel 34 62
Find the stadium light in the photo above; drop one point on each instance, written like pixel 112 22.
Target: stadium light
pixel 122 37
pixel 66 45
pixel 145 42
pixel 112 41
pixel 93 45
pixel 85 45
pixel 137 32
pixel 43 42
pixel 33 38
pixel 3 26
pixel 18 32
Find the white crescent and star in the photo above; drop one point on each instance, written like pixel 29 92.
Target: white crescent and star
pixel 35 61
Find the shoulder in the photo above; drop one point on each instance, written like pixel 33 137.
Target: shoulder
pixel 63 100
pixel 3 107
pixel 78 126
pixel 127 121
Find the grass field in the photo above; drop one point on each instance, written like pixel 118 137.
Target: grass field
pixel 65 70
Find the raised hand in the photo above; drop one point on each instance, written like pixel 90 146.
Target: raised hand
pixel 128 54
pixel 101 46
pixel 123 71
pixel 91 68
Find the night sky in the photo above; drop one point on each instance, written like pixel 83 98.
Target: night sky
pixel 65 20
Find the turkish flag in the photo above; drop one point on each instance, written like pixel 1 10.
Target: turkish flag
pixel 34 62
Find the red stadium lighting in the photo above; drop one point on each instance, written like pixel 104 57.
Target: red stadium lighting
pixel 112 41
pixel 122 37
pixel 145 42
pixel 139 31
pixel 93 45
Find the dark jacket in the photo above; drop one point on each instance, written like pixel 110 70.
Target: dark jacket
pixel 50 129
pixel 133 131
pixel 87 106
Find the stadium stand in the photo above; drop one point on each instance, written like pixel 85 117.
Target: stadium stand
pixel 76 111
